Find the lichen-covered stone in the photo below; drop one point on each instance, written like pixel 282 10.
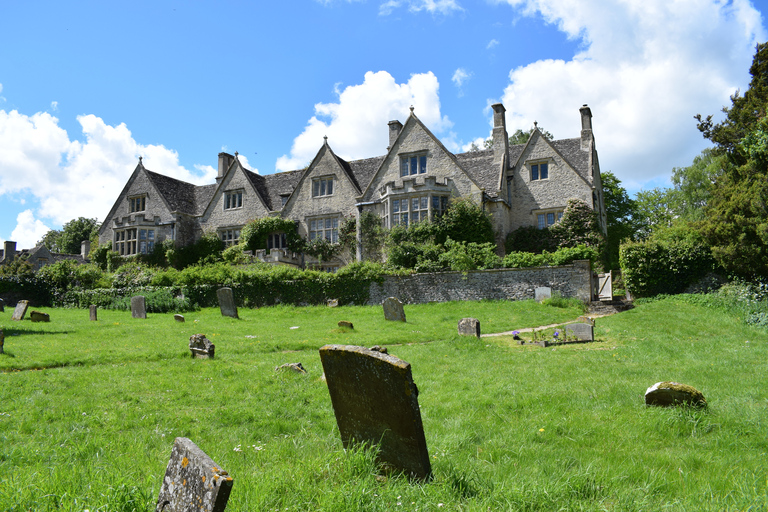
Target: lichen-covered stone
pixel 227 304
pixel 92 309
pixel 138 307
pixel 179 318
pixel 344 323
pixel 666 394
pixel 193 481
pixel 20 310
pixel 296 367
pixel 39 316
pixel 469 327
pixel 375 402
pixel 393 310
pixel 201 347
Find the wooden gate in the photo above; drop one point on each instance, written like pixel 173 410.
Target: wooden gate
pixel 604 287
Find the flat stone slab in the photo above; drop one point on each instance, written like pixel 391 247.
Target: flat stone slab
pixel 376 402
pixel 580 332
pixel 201 347
pixel 20 310
pixel 193 481
pixel 393 310
pixel 541 293
pixel 227 302
pixel 39 316
pixel 667 394
pixel 138 307
pixel 469 327
pixel 295 367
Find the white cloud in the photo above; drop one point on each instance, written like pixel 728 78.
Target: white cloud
pixel 28 230
pixel 54 106
pixel 460 76
pixel 356 126
pixel 71 178
pixel 431 6
pixel 491 44
pixel 645 68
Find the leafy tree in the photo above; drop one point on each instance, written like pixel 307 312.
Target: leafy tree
pixel 465 221
pixel 68 240
pixel 695 184
pixel 621 217
pixel 654 209
pixel 579 226
pixel 19 267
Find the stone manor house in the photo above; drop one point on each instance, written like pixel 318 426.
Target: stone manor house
pixel 520 185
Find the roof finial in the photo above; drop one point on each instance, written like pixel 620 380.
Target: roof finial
pixel 325 138
pixel 140 159
pixel 535 124
pixel 411 109
pixel 236 154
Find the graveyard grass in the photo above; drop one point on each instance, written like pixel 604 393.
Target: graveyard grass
pixel 89 410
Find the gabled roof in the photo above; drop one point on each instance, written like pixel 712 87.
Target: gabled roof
pixel 281 184
pixel 179 195
pixel 479 166
pixel 568 149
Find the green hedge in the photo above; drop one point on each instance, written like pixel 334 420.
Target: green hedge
pixel 562 256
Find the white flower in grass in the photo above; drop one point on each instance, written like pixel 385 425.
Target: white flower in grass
pixel 238 449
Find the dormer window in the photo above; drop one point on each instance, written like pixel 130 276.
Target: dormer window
pixel 233 199
pixel 137 204
pixel 413 164
pixel 322 187
pixel 539 171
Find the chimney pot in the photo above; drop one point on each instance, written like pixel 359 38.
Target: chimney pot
pixel 394 130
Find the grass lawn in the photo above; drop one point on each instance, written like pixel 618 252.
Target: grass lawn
pixel 89 410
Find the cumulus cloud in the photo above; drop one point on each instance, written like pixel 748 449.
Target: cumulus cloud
pixel 71 178
pixel 28 230
pixel 356 126
pixel 430 6
pixel 492 44
pixel 645 67
pixel 460 76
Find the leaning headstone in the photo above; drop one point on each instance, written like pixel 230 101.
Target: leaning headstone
pixel 2 341
pixel 193 481
pixel 344 323
pixel 227 302
pixel 138 307
pixel 469 327
pixel 201 347
pixel 20 310
pixel 580 332
pixel 179 318
pixel 375 402
pixel 93 309
pixel 667 394
pixel 393 310
pixel 39 316
pixel 543 292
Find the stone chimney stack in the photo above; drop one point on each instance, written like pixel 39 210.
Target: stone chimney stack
pixel 85 248
pixel 225 160
pixel 394 130
pixel 500 137
pixel 9 251
pixel 587 139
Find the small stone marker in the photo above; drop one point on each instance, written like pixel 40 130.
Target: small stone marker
pixel 2 306
pixel 667 394
pixel 227 302
pixel 20 310
pixel 580 332
pixel 39 316
pixel 2 341
pixel 333 303
pixel 541 293
pixel 296 367
pixel 344 323
pixel 138 307
pixel 469 327
pixel 179 318
pixel 201 347
pixel 193 481
pixel 375 402
pixel 393 310
pixel 93 309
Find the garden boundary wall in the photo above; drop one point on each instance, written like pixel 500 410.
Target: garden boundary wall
pixel 574 280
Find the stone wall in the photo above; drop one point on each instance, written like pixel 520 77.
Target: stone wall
pixel 573 280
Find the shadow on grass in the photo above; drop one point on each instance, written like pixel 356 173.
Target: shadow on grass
pixel 22 331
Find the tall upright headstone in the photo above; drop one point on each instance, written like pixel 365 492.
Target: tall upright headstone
pixel 375 402
pixel 138 307
pixel 193 481
pixel 20 310
pixel 469 327
pixel 93 309
pixel 227 302
pixel 393 309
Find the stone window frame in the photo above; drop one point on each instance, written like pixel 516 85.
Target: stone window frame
pixel 412 164
pixel 233 199
pixel 436 204
pixel 277 240
pixel 537 168
pixel 548 217
pixel 137 203
pixel 323 186
pixel 329 229
pixel 230 236
pixel 134 240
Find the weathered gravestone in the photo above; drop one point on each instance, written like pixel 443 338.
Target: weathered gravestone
pixel 39 316
pixel 201 347
pixel 20 310
pixel 179 318
pixel 138 307
pixel 667 394
pixel 227 302
pixel 469 327
pixel 333 303
pixel 296 367
pixel 2 305
pixel 580 332
pixel 2 341
pixel 93 308
pixel 393 310
pixel 346 324
pixel 375 402
pixel 541 293
pixel 193 481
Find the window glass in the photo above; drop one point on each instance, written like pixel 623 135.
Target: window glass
pixel 534 172
pixel 544 171
pixel 550 219
pixel 422 164
pixel 542 223
pixel 414 164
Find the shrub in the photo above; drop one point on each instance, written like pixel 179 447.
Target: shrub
pixel 254 235
pixel 133 274
pixel 464 221
pixel 562 256
pixel 235 255
pixel 465 256
pixel 68 274
pixel 529 239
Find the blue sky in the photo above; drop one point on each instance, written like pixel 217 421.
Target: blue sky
pixel 88 87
